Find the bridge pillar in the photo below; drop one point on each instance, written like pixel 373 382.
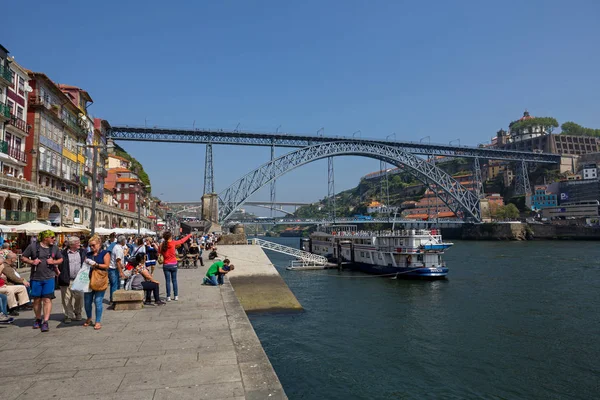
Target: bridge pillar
pixel 210 207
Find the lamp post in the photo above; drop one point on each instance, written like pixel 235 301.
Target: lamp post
pixel 139 206
pixel 94 148
pixel 455 140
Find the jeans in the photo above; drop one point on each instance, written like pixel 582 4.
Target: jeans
pixel 3 303
pixel 96 298
pixel 212 280
pixel 150 287
pixel 113 279
pixel 171 275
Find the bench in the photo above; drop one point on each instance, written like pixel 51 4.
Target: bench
pixel 126 300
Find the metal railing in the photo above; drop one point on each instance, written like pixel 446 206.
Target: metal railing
pixel 299 254
pixel 19 123
pixel 20 216
pixel 6 73
pixel 4 110
pixel 16 153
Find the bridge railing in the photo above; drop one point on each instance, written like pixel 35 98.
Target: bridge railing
pixel 299 254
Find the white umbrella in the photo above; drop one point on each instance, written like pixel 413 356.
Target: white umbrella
pixel 78 228
pixel 103 231
pixel 35 227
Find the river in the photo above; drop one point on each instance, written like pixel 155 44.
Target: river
pixel 514 320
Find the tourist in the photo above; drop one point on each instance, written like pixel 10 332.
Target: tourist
pixel 12 277
pixel 117 262
pixel 110 242
pixel 151 254
pixel 4 318
pixel 97 258
pixel 44 258
pixel 142 279
pixel 16 295
pixel 167 249
pixel 73 259
pixel 216 272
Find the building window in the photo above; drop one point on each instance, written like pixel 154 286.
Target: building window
pixel 21 86
pixel 11 105
pixel 20 112
pixel 126 196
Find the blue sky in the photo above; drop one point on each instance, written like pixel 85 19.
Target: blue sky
pixel 448 70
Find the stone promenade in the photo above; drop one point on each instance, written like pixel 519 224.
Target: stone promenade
pixel 200 347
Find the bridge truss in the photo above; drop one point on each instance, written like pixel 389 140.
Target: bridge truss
pixel 458 198
pixel 203 136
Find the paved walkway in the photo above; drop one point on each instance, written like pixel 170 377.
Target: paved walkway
pixel 201 347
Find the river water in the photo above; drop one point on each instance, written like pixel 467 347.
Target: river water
pixel 514 320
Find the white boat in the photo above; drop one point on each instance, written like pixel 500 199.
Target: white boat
pixel 407 253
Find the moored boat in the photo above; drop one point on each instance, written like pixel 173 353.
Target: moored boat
pixel 406 253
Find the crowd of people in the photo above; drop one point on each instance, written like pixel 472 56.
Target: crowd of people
pixel 85 272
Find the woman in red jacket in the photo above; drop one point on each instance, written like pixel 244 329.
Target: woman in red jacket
pixel 167 249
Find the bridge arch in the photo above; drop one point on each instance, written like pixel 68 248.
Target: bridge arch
pixel 457 197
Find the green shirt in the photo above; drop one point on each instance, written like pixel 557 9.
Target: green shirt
pixel 214 269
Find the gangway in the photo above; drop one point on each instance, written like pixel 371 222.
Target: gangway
pixel 304 256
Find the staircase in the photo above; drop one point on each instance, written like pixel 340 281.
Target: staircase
pixel 301 255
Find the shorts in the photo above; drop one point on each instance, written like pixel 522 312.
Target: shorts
pixel 42 289
pixel 150 263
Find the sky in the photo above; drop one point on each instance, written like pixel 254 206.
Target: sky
pixel 435 71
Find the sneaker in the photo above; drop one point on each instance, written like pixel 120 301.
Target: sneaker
pixel 168 299
pixel 176 298
pixel 78 318
pixel 13 312
pixel 37 323
pixel 148 303
pixel 67 320
pixel 26 307
pixel 160 303
pixel 45 327
pixel 5 319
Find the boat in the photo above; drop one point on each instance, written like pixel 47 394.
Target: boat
pixel 406 253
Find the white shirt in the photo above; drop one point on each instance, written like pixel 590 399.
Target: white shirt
pixel 116 254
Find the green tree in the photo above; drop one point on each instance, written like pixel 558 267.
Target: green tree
pixel 511 211
pixel 571 128
pixel 547 122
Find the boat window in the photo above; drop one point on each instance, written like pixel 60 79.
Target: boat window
pixel 362 253
pixel 420 257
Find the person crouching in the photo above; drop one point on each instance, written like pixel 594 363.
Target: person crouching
pixel 216 272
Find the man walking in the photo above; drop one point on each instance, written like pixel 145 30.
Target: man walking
pixel 115 270
pixel 73 258
pixel 44 258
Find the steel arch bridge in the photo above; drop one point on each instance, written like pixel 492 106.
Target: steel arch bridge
pixel 457 197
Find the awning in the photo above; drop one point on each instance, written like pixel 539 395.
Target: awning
pixel 15 196
pixel 44 199
pixel 3 194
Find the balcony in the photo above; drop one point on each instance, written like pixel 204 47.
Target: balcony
pixel 16 153
pixel 19 123
pixel 102 172
pixel 4 112
pixel 84 180
pixel 6 75
pixel 20 216
pixel 73 125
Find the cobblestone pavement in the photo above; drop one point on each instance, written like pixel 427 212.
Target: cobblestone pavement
pixel 200 347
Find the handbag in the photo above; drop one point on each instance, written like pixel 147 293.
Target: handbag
pixel 98 280
pixel 161 259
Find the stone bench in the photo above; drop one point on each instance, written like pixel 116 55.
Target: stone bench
pixel 125 300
